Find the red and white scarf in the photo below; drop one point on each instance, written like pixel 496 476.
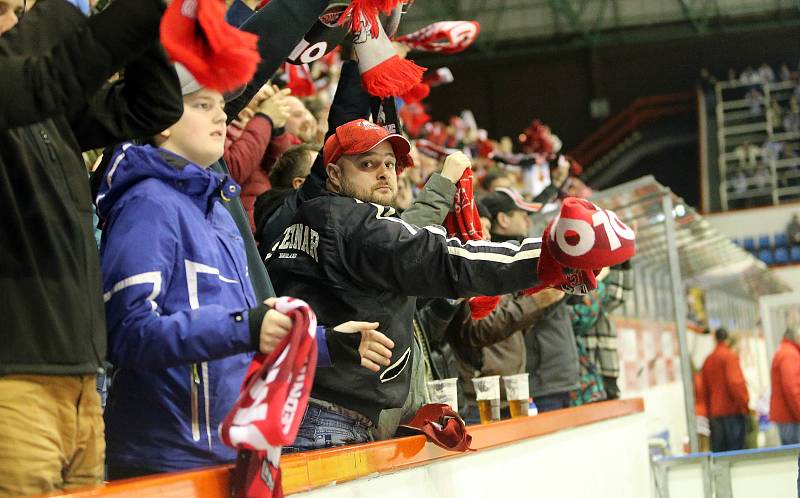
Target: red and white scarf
pixel 464 222
pixel 271 405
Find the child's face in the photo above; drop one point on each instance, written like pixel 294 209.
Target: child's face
pixel 199 135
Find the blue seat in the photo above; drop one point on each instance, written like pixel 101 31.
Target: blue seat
pixel 781 239
pixel 764 242
pixel 795 254
pixel 749 244
pixel 765 255
pixel 781 255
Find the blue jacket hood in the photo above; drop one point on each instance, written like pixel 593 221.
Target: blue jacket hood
pixel 132 164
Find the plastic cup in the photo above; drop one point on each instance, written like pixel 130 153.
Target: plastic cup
pixel 487 394
pixel 517 394
pixel 444 391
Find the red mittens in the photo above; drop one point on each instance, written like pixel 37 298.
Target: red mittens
pixel 219 56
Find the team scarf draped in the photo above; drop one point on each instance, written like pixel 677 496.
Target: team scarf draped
pixel 271 405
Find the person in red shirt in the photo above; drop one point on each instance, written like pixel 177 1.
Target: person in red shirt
pixel 726 396
pixel 784 406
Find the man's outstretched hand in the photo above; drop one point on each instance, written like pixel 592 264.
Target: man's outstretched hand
pixel 375 348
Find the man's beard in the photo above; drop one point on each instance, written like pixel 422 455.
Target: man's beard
pixel 366 194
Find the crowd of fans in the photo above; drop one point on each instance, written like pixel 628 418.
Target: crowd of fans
pixel 208 204
pixel 750 176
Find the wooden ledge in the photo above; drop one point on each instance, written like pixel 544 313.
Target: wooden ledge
pixel 314 469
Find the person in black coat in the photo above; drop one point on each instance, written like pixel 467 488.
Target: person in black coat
pixel 55 102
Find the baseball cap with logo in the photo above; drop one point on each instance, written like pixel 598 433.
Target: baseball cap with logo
pixel 504 200
pixel 359 136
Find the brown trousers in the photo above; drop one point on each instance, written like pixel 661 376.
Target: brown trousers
pixel 51 433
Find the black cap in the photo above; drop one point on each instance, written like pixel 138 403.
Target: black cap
pixel 504 200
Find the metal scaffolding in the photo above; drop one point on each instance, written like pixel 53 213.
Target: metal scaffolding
pixel 677 249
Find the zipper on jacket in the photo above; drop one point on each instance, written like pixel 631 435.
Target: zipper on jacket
pixel 195 382
pixel 48 143
pixel 206 381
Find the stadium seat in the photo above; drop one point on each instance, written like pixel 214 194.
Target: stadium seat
pixel 764 242
pixel 781 255
pixel 765 255
pixel 749 244
pixel 781 239
pixel 795 254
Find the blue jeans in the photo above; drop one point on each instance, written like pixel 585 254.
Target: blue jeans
pixel 789 433
pixel 550 402
pixel 325 428
pixel 727 433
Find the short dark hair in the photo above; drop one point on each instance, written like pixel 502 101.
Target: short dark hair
pixel 492 175
pixel 721 334
pixel 292 164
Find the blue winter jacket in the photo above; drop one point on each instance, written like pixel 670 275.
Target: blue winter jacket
pixel 177 296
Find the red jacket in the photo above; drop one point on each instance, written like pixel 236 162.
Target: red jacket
pixel 725 389
pixel 250 153
pixel 700 408
pixel 784 405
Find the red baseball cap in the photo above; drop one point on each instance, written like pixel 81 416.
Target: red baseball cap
pixel 359 136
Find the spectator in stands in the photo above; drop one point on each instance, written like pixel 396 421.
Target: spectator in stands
pixel 182 314
pixel 596 336
pixel 750 77
pixel 784 407
pixel 726 396
pixel 771 151
pixel 345 253
pixel 293 167
pixel 791 119
pixel 301 123
pixel 701 411
pixel 254 141
pixel 793 229
pixel 775 114
pixel 785 73
pixel 54 335
pixel 495 179
pixel 288 174
pixel 766 74
pixel 755 100
pixel 405 193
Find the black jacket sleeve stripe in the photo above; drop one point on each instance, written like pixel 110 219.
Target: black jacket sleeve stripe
pixel 386 253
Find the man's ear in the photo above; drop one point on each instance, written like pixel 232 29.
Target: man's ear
pixel 502 220
pixel 298 182
pixel 334 172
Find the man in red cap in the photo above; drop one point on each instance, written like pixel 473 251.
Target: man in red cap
pixel 355 156
pixel 347 254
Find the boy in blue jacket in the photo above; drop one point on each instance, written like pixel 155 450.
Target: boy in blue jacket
pixel 182 316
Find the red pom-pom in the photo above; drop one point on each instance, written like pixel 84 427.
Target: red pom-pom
pixel 394 76
pixel 218 55
pixel 481 306
pixel 417 93
pixel 367 11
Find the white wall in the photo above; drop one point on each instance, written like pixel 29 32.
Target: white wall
pixel 753 222
pixel 789 274
pixel 604 460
